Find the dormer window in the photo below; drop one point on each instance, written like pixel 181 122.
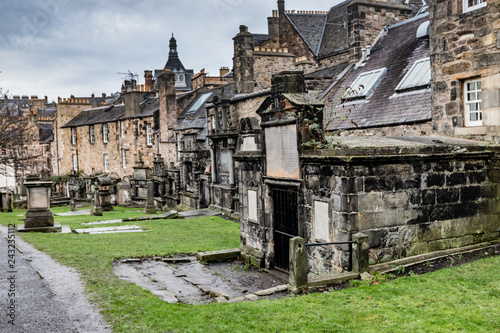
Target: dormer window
pixel 365 84
pixel 470 5
pixel 419 76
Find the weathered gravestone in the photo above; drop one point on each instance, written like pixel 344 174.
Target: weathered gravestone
pixel 95 209
pixel 150 200
pixel 39 217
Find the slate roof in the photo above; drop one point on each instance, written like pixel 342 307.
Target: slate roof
pixel 310 27
pixel 100 115
pixel 46 131
pixel 148 107
pixel 197 119
pixel 260 38
pixel 397 50
pixel 327 73
pixel 325 35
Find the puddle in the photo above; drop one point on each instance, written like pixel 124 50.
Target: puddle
pixel 194 283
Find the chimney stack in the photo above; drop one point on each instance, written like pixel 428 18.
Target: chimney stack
pixel 223 71
pixel 148 79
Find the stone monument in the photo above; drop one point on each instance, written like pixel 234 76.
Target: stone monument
pixel 96 209
pixel 150 200
pixel 39 217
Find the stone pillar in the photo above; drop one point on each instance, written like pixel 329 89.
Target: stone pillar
pixel 360 261
pixel 72 205
pixel 7 204
pixel 39 217
pixel 96 209
pixel 298 264
pixel 150 200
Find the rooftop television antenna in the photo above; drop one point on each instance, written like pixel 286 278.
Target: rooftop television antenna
pixel 130 76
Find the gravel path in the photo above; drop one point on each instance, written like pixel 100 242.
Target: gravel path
pixel 55 303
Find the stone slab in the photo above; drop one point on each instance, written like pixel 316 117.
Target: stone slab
pixel 272 290
pixel 56 228
pixel 103 222
pixel 125 228
pixel 218 255
pixel 75 213
pixel 325 280
pixel 197 213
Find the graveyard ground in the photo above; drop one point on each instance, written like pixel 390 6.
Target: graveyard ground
pixel 462 298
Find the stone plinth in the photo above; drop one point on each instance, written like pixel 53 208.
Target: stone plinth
pixel 39 217
pixel 6 201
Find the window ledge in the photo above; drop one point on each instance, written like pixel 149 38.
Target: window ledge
pixel 464 131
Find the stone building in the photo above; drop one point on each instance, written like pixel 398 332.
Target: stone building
pixel 388 90
pixel 311 41
pixel 31 150
pixel 465 58
pixel 409 194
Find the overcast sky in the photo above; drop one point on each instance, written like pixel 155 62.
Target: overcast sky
pixel 62 47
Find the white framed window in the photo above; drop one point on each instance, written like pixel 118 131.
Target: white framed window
pixel 35 168
pixel 75 163
pixel 105 133
pixel 44 165
pixel 92 134
pixel 34 151
pixel 43 151
pixel 419 75
pixel 122 124
pixel 73 136
pixel 18 152
pixel 124 158
pixel 365 83
pixel 473 104
pixel 138 129
pixel 149 135
pixel 26 152
pixel 52 151
pixel 470 5
pixel 106 163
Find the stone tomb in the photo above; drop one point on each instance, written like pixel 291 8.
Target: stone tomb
pixel 39 217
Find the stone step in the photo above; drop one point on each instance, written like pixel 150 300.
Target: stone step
pixel 325 280
pixel 218 255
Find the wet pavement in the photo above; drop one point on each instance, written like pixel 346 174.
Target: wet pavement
pixel 194 283
pixel 46 296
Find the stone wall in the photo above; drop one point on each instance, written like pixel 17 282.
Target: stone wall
pixel 407 205
pixel 367 19
pixel 464 45
pixel 268 63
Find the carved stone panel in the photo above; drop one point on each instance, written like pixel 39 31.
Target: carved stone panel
pixel 282 155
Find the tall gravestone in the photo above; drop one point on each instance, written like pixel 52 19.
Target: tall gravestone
pixel 150 200
pixel 39 217
pixel 96 209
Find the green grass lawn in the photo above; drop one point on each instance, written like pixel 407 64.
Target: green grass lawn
pixel 458 299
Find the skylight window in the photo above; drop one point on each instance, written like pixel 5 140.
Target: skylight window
pixel 365 83
pixel 202 99
pixel 419 75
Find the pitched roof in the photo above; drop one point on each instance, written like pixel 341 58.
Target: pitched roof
pixel 259 38
pixel 310 27
pixel 396 51
pixel 100 115
pixel 46 132
pixel 327 73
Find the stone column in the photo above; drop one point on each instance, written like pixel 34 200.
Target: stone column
pixel 96 209
pixel 150 200
pixel 298 264
pixel 360 261
pixel 8 202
